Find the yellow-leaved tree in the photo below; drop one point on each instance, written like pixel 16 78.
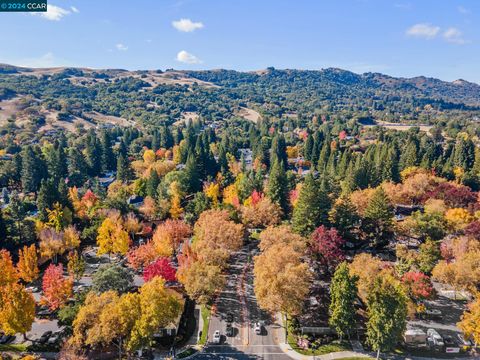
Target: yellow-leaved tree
pixel 17 309
pixel 111 238
pixel 470 322
pixel 282 279
pixel 27 265
pixel 9 273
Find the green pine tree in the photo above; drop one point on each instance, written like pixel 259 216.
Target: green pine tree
pixel 311 209
pixel 343 293
pixel 378 218
pixel 277 189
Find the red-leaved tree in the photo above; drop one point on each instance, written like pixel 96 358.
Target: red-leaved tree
pixel 418 285
pixel 327 245
pixel 57 289
pixel 141 256
pixel 160 267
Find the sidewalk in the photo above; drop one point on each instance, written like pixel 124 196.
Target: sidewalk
pixel 191 343
pixel 336 355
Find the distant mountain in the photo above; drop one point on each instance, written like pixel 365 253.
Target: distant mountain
pixel 152 96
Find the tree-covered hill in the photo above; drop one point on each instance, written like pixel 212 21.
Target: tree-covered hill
pixel 152 97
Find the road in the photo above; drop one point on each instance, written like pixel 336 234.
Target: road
pixel 238 299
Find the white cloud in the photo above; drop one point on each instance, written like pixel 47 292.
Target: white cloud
pixel 463 10
pixel 121 47
pixel 188 58
pixel 74 9
pixel 53 13
pixel 186 25
pixel 455 36
pixel 425 31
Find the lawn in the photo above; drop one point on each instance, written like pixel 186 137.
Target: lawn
pixel 206 320
pixel 187 353
pixel 13 347
pixel 334 346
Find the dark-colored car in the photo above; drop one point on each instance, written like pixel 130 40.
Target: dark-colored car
pixel 229 318
pixel 44 338
pixel 6 339
pixel 229 331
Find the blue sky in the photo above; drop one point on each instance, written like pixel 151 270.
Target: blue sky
pixel 438 38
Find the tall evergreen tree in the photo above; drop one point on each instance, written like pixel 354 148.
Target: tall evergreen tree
pixel 152 184
pixel 311 209
pixel 279 150
pixel 378 218
pixel 191 174
pixel 343 294
pixel 107 157
pixel 124 172
pixel 277 189
pixel 32 170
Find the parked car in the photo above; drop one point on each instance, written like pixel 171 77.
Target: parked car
pixel 6 339
pixel 229 331
pixel 44 313
pixel 216 337
pixel 229 318
pixel 54 338
pixel 451 345
pixel 433 313
pixel 258 328
pixel 466 344
pixel 44 338
pixel 434 339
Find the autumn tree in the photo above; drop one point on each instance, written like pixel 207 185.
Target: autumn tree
pixel 201 280
pixel 71 237
pixel 387 312
pixel 17 309
pixel 282 279
pixel 56 288
pixel 169 235
pixel 470 321
pixel 141 256
pixel 76 265
pixel 131 224
pixel 27 265
pixel 51 244
pixel 327 244
pixel 367 268
pixel 343 293
pixel 216 237
pixel 161 267
pixel 112 238
pixel 261 213
pixel 418 285
pixel 159 307
pixel 284 235
pixel 9 273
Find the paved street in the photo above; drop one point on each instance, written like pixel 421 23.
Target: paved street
pixel 238 299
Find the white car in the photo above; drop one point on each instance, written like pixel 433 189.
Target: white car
pixel 216 337
pixel 258 328
pixel 434 338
